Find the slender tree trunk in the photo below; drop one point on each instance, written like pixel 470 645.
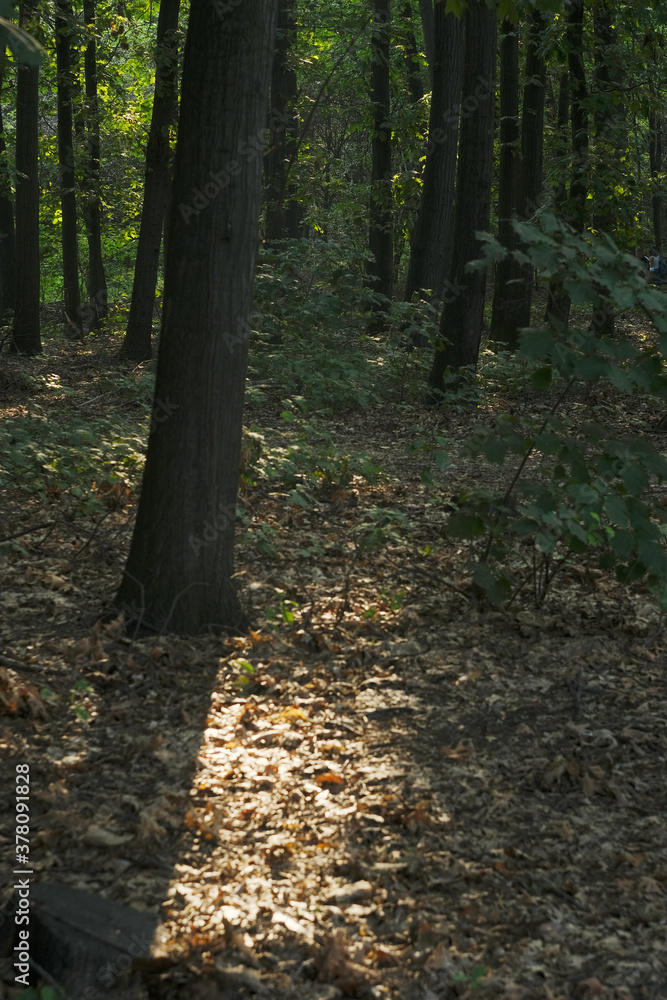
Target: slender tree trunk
pixel 69 236
pixel 283 212
pixel 7 242
pixel 655 161
pixel 558 302
pixel 463 312
pixel 562 145
pixel 137 342
pixel 532 145
pixel 431 244
pixel 411 56
pixel 507 294
pixel 26 334
pixel 579 180
pixel 181 562
pixel 428 27
pixel 96 283
pixel 610 135
pixel 380 269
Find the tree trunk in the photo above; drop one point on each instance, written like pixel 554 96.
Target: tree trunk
pixel 181 562
pixel 96 283
pixel 532 144
pixel 558 302
pixel 69 236
pixel 283 212
pixel 7 242
pixel 655 161
pixel 507 293
pixel 580 158
pixel 562 145
pixel 411 56
pixel 380 270
pixel 431 244
pixel 428 27
pixel 26 334
pixel 463 313
pixel 137 341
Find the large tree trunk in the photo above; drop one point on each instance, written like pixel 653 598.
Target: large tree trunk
pixel 137 341
pixel 463 312
pixel 181 562
pixel 7 241
pixel 380 269
pixel 431 244
pixel 507 297
pixel 69 237
pixel 26 335
pixel 96 283
pixel 283 212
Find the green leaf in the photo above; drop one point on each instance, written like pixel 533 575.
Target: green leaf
pixel 536 343
pixel 541 377
pixel 26 48
pixel 496 586
pixel 464 525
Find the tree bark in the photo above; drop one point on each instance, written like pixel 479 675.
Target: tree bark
pixel 283 212
pixel 7 240
pixel 463 312
pixel 558 301
pixel 532 146
pixel 411 56
pixel 96 283
pixel 428 27
pixel 181 562
pixel 655 161
pixel 507 297
pixel 431 244
pixel 69 236
pixel 380 270
pixel 579 179
pixel 137 341
pixel 26 333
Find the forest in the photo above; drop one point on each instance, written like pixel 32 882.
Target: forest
pixel 333 499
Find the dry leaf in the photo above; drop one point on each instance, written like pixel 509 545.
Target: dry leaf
pixel 459 752
pixel 97 836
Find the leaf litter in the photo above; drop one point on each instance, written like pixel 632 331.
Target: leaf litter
pixel 386 790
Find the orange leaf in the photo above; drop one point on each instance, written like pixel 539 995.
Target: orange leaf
pixel 329 779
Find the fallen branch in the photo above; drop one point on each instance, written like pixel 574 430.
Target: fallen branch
pixel 28 531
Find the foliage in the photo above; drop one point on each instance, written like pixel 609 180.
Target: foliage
pixel 311 460
pixel 85 462
pixel 575 490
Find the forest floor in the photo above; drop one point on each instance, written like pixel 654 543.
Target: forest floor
pixel 384 789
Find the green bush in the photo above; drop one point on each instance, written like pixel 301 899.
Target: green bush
pixel 576 489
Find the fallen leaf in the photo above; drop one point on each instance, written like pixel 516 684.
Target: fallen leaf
pixel 459 752
pixel 97 836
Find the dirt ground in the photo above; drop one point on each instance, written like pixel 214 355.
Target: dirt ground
pixel 386 790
